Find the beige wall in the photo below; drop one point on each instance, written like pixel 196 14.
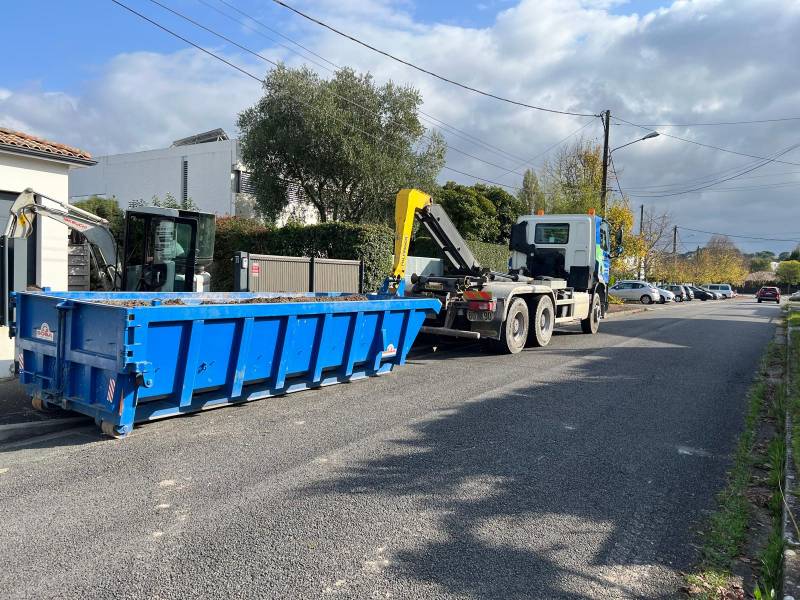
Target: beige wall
pixel 49 178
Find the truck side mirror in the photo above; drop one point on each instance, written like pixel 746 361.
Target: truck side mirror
pixel 618 239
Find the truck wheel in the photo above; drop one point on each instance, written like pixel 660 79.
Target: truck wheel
pixel 514 332
pixel 543 322
pixel 591 323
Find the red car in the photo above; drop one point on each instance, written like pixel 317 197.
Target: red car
pixel 769 293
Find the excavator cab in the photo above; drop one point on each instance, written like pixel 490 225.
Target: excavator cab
pixel 166 250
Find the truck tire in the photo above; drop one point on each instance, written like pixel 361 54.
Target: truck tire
pixel 591 323
pixel 514 331
pixel 542 323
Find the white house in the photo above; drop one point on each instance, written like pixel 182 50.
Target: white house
pixel 205 168
pixel 31 162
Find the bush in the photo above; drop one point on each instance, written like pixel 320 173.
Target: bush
pixel 491 256
pixel 370 243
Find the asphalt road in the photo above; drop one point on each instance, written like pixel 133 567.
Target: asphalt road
pixel 581 470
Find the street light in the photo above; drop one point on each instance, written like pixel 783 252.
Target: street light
pixel 607 154
pixel 649 136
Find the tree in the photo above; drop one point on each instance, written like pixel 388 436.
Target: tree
pixel 620 216
pixel 108 209
pixel 508 208
pixel 347 160
pixel 789 272
pixel 784 255
pixel 531 193
pixel 472 213
pixel 759 263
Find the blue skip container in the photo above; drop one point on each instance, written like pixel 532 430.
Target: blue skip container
pixel 124 358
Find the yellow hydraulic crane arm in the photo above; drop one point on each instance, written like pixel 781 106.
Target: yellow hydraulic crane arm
pixel 408 203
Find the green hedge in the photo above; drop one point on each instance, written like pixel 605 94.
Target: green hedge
pixel 372 243
pixel 491 256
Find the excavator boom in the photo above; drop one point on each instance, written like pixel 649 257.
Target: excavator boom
pixel 29 204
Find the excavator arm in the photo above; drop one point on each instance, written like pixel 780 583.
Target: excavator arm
pixel 29 204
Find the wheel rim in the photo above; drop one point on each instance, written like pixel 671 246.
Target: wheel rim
pixel 518 327
pixel 544 321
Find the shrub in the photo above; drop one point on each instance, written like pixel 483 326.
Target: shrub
pixel 370 243
pixel 491 256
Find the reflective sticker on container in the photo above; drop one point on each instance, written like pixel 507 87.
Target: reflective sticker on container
pixel 112 386
pixel 389 352
pixel 21 361
pixel 255 269
pixel 44 333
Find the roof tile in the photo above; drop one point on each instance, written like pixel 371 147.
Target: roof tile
pixel 9 137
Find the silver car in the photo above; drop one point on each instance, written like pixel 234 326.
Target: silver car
pixel 642 291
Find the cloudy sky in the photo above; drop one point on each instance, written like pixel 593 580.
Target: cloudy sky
pixel 89 73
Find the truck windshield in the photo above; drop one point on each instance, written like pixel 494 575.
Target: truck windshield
pixel 551 233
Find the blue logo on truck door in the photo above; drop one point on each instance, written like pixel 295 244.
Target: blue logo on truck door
pixel 602 254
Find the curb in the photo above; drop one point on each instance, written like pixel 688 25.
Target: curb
pixel 790 584
pixel 624 313
pixel 20 431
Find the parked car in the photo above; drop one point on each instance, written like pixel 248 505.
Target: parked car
pixel 635 290
pixel 722 288
pixel 689 292
pixel 702 294
pixel 679 291
pixel 665 295
pixel 769 293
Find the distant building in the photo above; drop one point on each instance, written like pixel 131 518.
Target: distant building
pixel 206 168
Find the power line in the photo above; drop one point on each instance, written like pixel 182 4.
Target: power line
pixel 753 122
pixel 350 101
pixel 333 68
pixel 645 188
pixel 733 235
pixel 616 177
pixel 546 150
pixel 708 185
pixel 427 71
pixel 256 78
pixel 688 141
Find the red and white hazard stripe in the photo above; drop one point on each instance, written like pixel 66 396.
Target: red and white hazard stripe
pixel 112 386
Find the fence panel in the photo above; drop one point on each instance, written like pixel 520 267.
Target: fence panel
pixel 269 273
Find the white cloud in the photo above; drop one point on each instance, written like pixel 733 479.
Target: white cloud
pixel 701 60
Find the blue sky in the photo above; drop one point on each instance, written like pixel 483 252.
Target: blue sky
pixel 75 39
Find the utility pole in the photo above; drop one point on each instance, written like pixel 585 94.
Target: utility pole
pixel 604 188
pixel 675 253
pixel 641 229
pixel 675 241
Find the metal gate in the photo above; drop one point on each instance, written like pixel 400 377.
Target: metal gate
pixel 269 273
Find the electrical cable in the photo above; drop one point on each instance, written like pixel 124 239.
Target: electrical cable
pixel 688 141
pixel 427 71
pixel 732 235
pixel 256 78
pixel 680 193
pixel 753 122
pixel 333 68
